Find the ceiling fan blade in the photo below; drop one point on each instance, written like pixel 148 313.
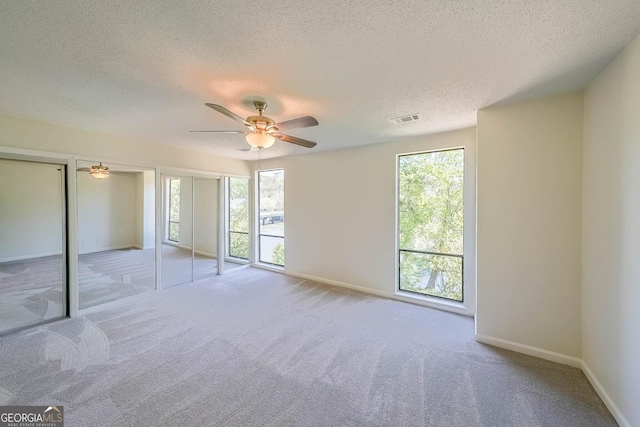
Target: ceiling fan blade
pixel 220 109
pixel 300 122
pixel 294 140
pixel 84 169
pixel 218 131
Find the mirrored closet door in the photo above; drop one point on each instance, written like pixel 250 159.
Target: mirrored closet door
pixel 116 232
pixel 177 233
pixel 33 285
pixel 205 227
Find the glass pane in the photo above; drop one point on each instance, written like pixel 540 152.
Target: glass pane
pixel 239 245
pixel 238 220
pixel 116 234
pixel 177 255
pixel 272 202
pixel 430 201
pixel 239 204
pixel 436 275
pixel 174 200
pixel 174 231
pixel 272 250
pixel 32 264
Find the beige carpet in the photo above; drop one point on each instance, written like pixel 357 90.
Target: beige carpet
pixel 101 275
pixel 257 348
pixel 31 291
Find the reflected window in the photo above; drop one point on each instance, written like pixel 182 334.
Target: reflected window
pixel 173 230
pixel 271 217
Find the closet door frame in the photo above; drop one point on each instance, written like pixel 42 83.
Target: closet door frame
pixel 160 202
pixel 69 218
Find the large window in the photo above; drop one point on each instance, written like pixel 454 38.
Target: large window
pixel 173 229
pixel 238 218
pixel 271 218
pixel 430 223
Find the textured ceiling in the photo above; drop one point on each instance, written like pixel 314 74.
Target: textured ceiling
pixel 145 69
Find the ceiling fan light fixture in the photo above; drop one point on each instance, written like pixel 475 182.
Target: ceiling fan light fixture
pixel 260 139
pixel 99 172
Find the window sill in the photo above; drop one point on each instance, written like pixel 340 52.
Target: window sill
pixel 452 306
pixel 269 267
pixel 237 260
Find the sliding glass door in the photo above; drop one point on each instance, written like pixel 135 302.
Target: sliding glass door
pixel 177 241
pixel 33 278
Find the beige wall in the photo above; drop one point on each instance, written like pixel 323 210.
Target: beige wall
pixel 30 210
pixel 611 232
pixel 36 135
pixel 146 209
pixel 205 216
pixel 529 209
pixel 341 211
pixel 107 214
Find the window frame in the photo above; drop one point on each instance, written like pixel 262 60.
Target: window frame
pixel 228 229
pixel 399 250
pixel 259 234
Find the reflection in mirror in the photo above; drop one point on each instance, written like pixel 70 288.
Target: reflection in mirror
pixel 32 261
pixel 237 226
pixel 205 232
pixel 116 232
pixel 177 235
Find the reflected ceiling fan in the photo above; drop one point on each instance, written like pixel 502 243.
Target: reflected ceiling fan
pixel 262 131
pixel 99 171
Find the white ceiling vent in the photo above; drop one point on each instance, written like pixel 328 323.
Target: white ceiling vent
pixel 406 119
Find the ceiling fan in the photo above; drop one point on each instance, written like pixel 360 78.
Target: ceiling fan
pixel 262 131
pixel 97 171
pixel 100 171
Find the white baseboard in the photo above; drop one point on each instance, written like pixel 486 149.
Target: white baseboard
pixel 613 408
pixel 207 254
pixel 188 248
pixel 269 268
pixel 111 248
pixel 497 342
pixel 25 257
pixel 531 351
pixel 383 294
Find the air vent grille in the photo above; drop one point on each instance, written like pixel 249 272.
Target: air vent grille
pixel 406 119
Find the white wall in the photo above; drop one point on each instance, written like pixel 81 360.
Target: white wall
pixel 341 210
pixel 529 210
pixel 139 206
pixel 145 209
pixel 186 212
pixel 611 232
pixel 106 212
pixel 206 216
pixel 36 135
pixel 30 210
